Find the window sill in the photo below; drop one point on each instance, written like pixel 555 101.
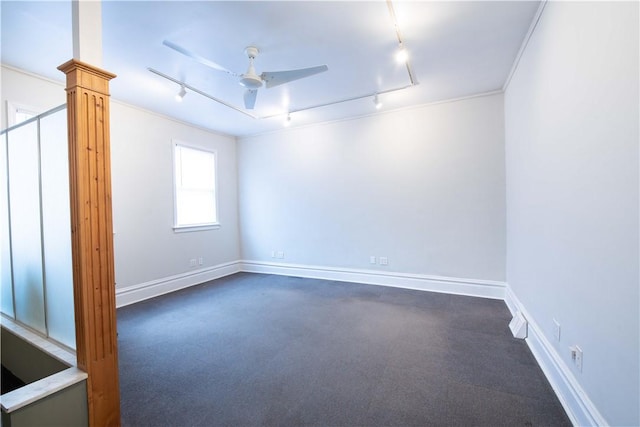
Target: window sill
pixel 190 228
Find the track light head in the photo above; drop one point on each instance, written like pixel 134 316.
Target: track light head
pixel 402 56
pixel 181 94
pixel 376 102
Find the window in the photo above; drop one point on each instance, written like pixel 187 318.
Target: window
pixel 23 115
pixel 195 188
pixel 19 113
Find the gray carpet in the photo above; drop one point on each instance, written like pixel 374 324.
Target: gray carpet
pixel 252 349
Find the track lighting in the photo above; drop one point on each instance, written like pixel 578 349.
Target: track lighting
pixel 376 102
pixel 181 94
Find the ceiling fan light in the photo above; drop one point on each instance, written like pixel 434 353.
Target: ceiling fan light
pixel 181 94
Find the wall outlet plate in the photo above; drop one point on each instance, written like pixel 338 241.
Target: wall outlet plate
pixel 576 356
pixel 372 259
pixel 383 260
pixel 556 330
pixel 579 358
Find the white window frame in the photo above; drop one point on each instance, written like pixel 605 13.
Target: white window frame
pixel 13 109
pixel 178 228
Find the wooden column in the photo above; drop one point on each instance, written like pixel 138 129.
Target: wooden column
pixel 92 237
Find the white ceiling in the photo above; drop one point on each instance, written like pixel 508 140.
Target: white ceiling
pixel 457 49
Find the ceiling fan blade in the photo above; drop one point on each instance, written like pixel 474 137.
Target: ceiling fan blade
pixel 250 98
pixel 197 57
pixel 275 78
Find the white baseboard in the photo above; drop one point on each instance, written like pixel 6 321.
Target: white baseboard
pixel 572 396
pixel 450 285
pixel 154 288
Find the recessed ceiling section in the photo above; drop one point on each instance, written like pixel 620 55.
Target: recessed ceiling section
pixel 373 46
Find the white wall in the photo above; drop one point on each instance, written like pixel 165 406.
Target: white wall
pixel 146 247
pixel 423 187
pixel 571 118
pixel 29 91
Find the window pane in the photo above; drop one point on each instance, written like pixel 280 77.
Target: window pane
pixel 197 169
pixel 196 207
pixel 22 116
pixel 195 186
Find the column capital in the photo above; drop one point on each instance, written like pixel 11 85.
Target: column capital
pixel 87 76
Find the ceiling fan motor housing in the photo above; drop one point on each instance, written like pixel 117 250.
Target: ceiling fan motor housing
pixel 251 81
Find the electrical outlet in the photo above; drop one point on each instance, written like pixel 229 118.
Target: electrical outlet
pixel 273 254
pixel 280 254
pixel 383 260
pixel 372 259
pixel 556 329
pixel 576 356
pixel 192 262
pixel 579 358
pixel 200 261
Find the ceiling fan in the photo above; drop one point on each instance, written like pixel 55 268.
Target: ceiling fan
pixel 250 80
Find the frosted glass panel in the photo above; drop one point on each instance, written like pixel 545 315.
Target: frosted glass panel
pixel 57 228
pixel 26 245
pixel 6 300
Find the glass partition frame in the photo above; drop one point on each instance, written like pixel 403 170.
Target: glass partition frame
pixel 62 329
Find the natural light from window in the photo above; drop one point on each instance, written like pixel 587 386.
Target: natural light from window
pixel 195 188
pixel 17 114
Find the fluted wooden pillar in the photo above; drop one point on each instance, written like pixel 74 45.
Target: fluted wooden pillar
pixel 92 237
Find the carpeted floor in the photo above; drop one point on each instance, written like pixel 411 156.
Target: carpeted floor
pixel 252 349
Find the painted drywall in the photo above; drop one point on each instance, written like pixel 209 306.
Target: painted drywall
pixel 28 90
pixel 26 361
pixel 571 120
pixel 423 187
pixel 67 407
pixel 145 245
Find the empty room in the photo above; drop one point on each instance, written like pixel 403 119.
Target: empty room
pixel 323 213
